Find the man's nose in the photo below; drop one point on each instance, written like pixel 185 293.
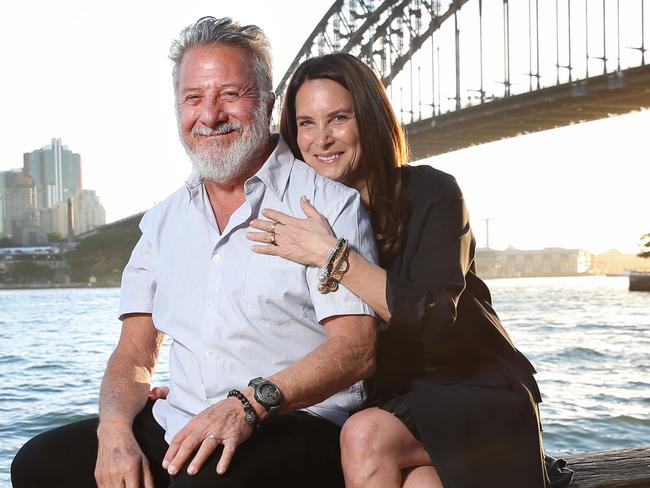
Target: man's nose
pixel 212 112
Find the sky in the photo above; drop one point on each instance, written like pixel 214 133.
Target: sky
pixel 96 75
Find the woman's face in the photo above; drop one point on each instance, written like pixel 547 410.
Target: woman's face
pixel 328 136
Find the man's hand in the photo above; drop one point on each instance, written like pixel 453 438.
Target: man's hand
pixel 222 423
pixel 120 462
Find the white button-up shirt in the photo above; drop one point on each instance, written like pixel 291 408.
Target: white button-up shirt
pixel 233 314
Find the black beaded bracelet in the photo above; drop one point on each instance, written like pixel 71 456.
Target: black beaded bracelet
pixel 251 417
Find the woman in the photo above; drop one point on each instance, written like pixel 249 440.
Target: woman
pixel 455 402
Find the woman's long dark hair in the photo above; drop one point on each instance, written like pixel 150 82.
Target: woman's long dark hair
pixel 383 144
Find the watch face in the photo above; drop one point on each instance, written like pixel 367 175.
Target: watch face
pixel 269 394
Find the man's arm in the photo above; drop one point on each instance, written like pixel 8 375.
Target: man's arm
pixel 124 391
pixel 347 356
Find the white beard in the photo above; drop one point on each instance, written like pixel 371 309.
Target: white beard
pixel 212 161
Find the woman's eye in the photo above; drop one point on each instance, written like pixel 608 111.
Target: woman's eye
pixel 340 118
pixel 304 123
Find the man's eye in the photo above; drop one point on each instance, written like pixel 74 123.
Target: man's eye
pixel 230 96
pixel 191 98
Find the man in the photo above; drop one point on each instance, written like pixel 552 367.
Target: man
pixel 252 338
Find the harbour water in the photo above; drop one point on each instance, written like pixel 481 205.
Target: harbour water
pixel 588 337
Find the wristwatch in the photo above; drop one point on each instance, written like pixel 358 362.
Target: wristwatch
pixel 267 394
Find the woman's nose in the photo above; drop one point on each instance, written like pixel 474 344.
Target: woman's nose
pixel 324 137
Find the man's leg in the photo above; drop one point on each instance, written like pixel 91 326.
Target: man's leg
pixel 66 456
pixel 292 451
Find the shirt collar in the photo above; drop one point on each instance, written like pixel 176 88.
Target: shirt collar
pixel 274 173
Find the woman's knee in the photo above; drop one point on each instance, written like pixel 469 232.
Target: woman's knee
pixel 364 434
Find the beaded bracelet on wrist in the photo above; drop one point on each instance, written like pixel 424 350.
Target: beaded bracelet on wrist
pixel 335 268
pixel 251 417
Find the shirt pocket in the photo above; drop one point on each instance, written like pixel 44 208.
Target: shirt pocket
pixel 276 290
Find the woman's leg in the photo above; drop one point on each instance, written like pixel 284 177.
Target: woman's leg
pixel 421 477
pixel 375 448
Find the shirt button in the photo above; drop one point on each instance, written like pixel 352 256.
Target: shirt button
pixel 210 306
pixel 216 258
pixel 209 354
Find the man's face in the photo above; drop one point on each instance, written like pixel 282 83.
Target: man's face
pixel 219 110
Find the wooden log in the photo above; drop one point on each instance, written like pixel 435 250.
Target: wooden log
pixel 622 468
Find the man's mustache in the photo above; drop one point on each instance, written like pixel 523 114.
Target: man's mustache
pixel 221 129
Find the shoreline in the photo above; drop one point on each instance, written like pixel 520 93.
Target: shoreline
pixel 35 286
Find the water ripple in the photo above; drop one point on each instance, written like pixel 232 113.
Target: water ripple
pixel 587 337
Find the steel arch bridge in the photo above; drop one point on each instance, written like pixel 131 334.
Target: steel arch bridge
pixel 465 72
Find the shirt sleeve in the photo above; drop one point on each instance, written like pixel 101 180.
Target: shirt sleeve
pixel 138 286
pixel 424 306
pixel 352 223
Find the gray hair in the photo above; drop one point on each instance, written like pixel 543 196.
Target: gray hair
pixel 210 30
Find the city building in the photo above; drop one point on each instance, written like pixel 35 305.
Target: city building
pixel 88 211
pixel 18 197
pixel 34 201
pixel 514 263
pixel 56 172
pixel 38 264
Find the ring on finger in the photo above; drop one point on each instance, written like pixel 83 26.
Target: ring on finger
pixel 272 231
pixel 214 438
pixel 272 239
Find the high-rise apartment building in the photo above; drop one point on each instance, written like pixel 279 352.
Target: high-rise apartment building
pixel 88 212
pixel 18 197
pixel 34 200
pixel 56 172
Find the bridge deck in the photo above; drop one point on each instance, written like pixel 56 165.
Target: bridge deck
pixel 579 101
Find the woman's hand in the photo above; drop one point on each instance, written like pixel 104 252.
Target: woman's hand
pixel 305 241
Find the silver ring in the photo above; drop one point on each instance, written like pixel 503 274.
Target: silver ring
pixel 213 437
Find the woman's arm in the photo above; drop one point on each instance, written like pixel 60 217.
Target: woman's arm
pixel 437 255
pixel 309 241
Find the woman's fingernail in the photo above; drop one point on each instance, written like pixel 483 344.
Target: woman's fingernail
pixel 165 463
pixel 191 470
pixel 172 469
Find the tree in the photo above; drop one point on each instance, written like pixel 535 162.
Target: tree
pixel 55 237
pixel 646 252
pixel 104 255
pixel 6 242
pixel 28 272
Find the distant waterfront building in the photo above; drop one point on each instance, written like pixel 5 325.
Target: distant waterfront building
pixel 19 198
pixel 42 264
pixel 56 172
pixel 88 211
pixel 514 263
pixel 33 201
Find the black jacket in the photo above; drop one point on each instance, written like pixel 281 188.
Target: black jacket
pixel 442 316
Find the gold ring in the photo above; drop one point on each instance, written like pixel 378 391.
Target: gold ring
pixel 272 231
pixel 273 239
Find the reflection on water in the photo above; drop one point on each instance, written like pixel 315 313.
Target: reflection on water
pixel 587 337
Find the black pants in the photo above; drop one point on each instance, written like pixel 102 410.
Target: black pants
pixel 295 450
